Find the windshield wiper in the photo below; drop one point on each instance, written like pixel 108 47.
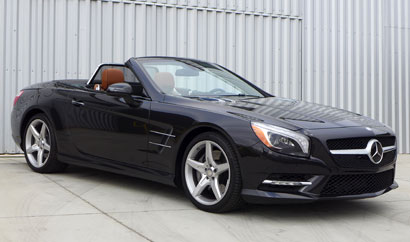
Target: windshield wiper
pixel 239 95
pixel 224 96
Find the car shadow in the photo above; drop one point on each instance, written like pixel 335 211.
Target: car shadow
pixel 124 182
pixel 332 210
pixel 326 210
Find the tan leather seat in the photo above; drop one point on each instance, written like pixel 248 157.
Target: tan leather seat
pixel 165 81
pixel 109 77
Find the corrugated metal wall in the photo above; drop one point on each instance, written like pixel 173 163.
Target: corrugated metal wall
pixel 352 54
pixel 356 57
pixel 44 40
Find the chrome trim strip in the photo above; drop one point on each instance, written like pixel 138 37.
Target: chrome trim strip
pixel 160 133
pixel 286 183
pixel 350 152
pixel 360 151
pixel 166 146
pixel 389 148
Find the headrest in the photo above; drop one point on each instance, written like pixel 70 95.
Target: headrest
pixel 152 70
pixel 111 76
pixel 165 81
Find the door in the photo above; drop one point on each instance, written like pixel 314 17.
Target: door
pixel 110 127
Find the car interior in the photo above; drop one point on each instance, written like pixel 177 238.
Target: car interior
pixel 109 75
pixel 164 80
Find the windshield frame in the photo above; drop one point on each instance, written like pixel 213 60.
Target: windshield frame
pixel 141 60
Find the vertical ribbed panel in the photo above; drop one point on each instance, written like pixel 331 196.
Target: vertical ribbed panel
pixel 344 53
pixel 45 40
pixel 356 57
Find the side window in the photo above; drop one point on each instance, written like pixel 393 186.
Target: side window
pixel 128 74
pixel 111 74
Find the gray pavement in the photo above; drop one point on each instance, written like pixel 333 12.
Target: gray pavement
pixel 88 205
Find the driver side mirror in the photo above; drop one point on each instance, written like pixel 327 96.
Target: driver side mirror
pixel 120 88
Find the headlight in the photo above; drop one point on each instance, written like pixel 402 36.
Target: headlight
pixel 282 140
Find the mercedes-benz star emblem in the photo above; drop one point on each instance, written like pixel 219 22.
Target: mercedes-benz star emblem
pixel 375 151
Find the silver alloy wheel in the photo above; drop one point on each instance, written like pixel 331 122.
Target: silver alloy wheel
pixel 37 143
pixel 207 172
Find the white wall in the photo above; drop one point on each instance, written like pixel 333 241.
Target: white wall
pixel 356 56
pixel 352 54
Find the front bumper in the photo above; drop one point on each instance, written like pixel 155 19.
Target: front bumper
pixel 256 196
pixel 318 177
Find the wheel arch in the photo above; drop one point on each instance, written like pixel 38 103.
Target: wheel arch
pixel 26 117
pixel 190 135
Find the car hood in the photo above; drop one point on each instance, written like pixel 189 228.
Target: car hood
pixel 296 113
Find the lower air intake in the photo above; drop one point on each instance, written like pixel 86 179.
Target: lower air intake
pixel 342 185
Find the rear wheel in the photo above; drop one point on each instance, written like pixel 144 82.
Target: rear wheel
pixel 211 175
pixel 40 147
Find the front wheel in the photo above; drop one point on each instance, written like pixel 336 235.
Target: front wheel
pixel 40 147
pixel 211 174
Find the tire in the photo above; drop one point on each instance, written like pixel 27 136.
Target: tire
pixel 212 184
pixel 41 142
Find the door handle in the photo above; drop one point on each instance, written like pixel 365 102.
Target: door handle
pixel 77 103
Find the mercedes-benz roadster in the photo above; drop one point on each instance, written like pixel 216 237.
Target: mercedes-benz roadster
pixel 197 125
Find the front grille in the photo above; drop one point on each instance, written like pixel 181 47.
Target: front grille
pixel 363 161
pixel 341 185
pixel 359 143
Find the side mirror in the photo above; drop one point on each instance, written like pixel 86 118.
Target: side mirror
pixel 120 88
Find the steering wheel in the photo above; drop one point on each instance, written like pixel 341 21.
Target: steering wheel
pixel 217 91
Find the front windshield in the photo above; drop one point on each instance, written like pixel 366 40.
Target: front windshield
pixel 193 78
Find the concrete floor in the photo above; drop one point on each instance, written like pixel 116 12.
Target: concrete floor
pixel 89 205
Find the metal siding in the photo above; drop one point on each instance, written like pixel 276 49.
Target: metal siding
pixel 3 23
pixel 356 57
pixel 349 54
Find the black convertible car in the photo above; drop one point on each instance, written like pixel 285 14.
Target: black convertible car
pixel 197 125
